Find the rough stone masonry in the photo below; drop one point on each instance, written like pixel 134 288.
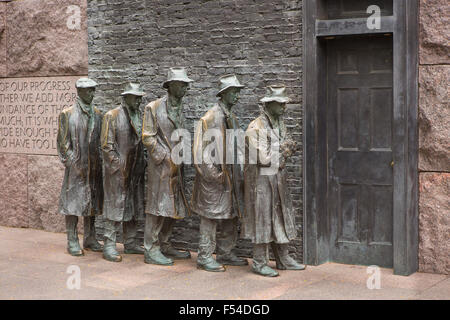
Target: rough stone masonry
pixel 259 41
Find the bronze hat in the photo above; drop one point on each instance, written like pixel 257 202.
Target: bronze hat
pixel 85 83
pixel 276 93
pixel 176 74
pixel 228 81
pixel 134 89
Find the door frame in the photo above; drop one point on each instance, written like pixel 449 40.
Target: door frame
pixel 403 26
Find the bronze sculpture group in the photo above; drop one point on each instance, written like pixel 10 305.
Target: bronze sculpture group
pixel 105 171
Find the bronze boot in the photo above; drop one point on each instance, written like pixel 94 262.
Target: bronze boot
pixel 133 248
pixel 175 254
pixel 284 260
pixel 205 261
pixel 261 259
pixel 154 256
pixel 89 239
pixel 110 252
pixel 73 245
pixel 129 238
pixel 109 249
pixel 231 260
pixel 211 265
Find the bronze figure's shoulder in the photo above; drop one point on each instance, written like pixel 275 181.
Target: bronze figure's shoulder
pixel 113 113
pixel 68 111
pixel 153 106
pixel 256 124
pixel 211 116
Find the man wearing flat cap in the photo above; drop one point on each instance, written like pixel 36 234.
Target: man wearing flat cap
pixel 269 218
pixel 166 200
pixel 77 144
pixel 217 186
pixel 124 168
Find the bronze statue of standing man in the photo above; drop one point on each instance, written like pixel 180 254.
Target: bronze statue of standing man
pixel 77 144
pixel 269 216
pixel 166 201
pixel 215 197
pixel 124 169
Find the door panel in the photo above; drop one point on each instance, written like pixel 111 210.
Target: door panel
pixel 381 118
pixel 359 147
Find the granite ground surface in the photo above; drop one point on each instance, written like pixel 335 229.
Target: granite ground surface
pixel 34 265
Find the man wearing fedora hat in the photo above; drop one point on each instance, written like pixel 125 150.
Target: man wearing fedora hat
pixel 217 186
pixel 166 201
pixel 269 215
pixel 77 144
pixel 123 168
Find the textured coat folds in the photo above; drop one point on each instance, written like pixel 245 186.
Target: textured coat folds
pixel 217 187
pixel 165 189
pixel 78 149
pixel 123 166
pixel 268 205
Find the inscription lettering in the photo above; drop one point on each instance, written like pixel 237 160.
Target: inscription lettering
pixel 29 109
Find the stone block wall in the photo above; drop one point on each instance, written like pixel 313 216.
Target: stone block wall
pixel 434 137
pixel 35 41
pixel 259 41
pixel 39 41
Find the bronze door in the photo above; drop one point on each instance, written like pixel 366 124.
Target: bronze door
pixel 359 150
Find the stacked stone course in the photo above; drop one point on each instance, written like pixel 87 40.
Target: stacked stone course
pixel 434 137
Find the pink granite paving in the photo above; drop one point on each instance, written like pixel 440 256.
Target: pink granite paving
pixel 33 265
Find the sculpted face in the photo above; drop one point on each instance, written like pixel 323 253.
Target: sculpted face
pixel 276 108
pixel 86 94
pixel 132 101
pixel 230 96
pixel 178 89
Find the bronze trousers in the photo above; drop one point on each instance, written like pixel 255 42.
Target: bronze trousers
pixel 224 241
pixel 157 232
pixel 261 253
pixel 129 231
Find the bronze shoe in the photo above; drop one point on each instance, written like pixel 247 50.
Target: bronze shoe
pixel 266 271
pixel 288 263
pixel 93 245
pixel 110 252
pixel 156 257
pixel 133 249
pixel 231 260
pixel 176 254
pixel 212 266
pixel 74 249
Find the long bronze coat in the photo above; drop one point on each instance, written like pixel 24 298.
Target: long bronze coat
pixel 217 187
pixel 165 190
pixel 78 149
pixel 268 206
pixel 123 166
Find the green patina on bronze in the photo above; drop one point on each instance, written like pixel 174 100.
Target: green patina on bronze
pixel 269 218
pixel 166 199
pixel 123 172
pixel 82 190
pixel 216 197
